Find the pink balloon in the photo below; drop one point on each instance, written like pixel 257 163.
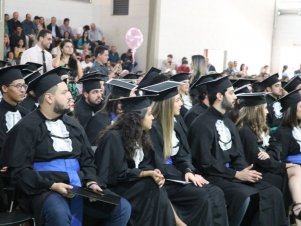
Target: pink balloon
pixel 134 38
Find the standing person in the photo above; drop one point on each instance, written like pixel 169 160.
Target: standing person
pixel 288 134
pixel 124 161
pixel 197 203
pixel 91 100
pixel 273 85
pixel 217 152
pixel 66 58
pixel 38 53
pixel 13 90
pixel 62 158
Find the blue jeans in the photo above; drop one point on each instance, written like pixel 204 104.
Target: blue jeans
pixel 56 212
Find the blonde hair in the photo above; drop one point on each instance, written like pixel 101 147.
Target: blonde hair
pixel 198 67
pixel 163 111
pixel 255 118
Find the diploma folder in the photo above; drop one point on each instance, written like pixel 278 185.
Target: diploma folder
pixel 99 196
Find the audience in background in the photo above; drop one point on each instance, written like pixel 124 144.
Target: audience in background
pixel 113 56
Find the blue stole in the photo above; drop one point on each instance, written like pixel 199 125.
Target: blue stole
pixel 113 117
pixel 71 167
pixel 168 161
pixel 227 164
pixel 294 158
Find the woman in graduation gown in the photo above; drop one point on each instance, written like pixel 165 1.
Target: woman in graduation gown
pixel 124 160
pixel 183 91
pixel 197 203
pixel 259 148
pixel 289 135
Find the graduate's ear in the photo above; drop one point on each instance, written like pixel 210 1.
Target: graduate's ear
pixel 4 88
pixel 268 89
pixel 219 96
pixel 86 94
pixel 49 98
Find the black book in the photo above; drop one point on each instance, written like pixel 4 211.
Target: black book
pixel 99 196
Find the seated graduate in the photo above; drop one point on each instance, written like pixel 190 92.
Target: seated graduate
pixel 111 109
pixel 31 101
pixel 124 161
pixel 47 153
pixel 200 95
pixel 273 85
pixel 197 203
pixel 217 152
pixel 91 100
pixel 259 148
pixel 13 89
pixel 183 91
pixel 289 135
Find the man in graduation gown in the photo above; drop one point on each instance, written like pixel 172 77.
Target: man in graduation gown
pixel 217 152
pixel 273 85
pixel 13 89
pixel 92 97
pixel 198 92
pixel 111 109
pixel 47 153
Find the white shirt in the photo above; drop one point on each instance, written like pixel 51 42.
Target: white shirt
pixel 84 64
pixel 34 54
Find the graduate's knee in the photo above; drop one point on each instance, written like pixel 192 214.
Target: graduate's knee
pixel 56 210
pixel 123 210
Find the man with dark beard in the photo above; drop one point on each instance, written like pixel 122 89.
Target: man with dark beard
pixel 48 153
pixel 217 152
pixel 91 100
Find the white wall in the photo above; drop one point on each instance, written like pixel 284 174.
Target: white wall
pixel 287 43
pixel 243 28
pixel 99 11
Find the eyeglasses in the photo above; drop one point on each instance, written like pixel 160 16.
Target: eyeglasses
pixel 20 86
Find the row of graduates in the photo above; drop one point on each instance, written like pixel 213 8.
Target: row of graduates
pixel 125 160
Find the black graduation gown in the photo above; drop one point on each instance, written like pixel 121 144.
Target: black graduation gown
pixel 30 103
pixel 194 112
pixel 4 108
pixel 150 204
pixel 96 124
pixel 274 116
pixel 272 169
pixel 288 143
pixel 83 111
pixel 29 142
pixel 195 205
pixel 209 157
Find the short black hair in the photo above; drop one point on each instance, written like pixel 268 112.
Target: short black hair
pixel 66 19
pixel 212 97
pixel 100 50
pixel 43 33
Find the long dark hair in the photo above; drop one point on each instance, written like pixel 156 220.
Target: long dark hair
pixel 72 63
pixel 132 133
pixel 290 117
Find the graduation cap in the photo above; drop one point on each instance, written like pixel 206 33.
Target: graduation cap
pixel 10 74
pixel 165 90
pixel 251 99
pixel 136 103
pixel 292 84
pixel 153 72
pixel 131 76
pixel 257 87
pixel 121 88
pixel 91 81
pixel 33 66
pixel 44 82
pixel 243 89
pixel 88 75
pixel 205 78
pixel 243 81
pixel 271 80
pixel 218 85
pixel 290 100
pixel 180 77
pixel 3 63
